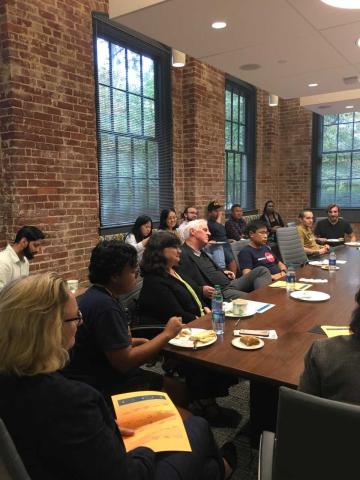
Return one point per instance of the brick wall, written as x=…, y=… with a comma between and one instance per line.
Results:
x=198, y=127
x=48, y=135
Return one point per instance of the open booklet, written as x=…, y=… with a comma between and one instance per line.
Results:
x=155, y=420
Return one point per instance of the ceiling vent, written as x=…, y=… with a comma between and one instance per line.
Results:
x=351, y=80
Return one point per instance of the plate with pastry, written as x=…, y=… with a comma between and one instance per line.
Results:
x=247, y=342
x=188, y=337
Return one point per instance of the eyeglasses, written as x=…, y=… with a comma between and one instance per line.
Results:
x=78, y=319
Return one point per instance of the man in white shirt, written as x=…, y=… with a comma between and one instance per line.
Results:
x=14, y=259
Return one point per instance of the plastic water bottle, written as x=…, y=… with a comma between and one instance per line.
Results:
x=332, y=259
x=290, y=278
x=217, y=312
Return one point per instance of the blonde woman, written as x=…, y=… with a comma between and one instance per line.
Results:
x=63, y=429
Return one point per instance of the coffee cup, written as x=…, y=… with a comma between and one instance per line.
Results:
x=73, y=285
x=239, y=306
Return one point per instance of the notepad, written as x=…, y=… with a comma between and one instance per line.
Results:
x=155, y=420
x=333, y=331
x=297, y=286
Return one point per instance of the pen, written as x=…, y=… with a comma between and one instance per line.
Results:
x=263, y=307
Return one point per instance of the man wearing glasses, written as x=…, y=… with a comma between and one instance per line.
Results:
x=259, y=254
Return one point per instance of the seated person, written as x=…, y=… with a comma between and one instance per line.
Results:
x=218, y=234
x=307, y=237
x=140, y=234
x=272, y=220
x=235, y=226
x=14, y=259
x=189, y=214
x=257, y=253
x=334, y=227
x=105, y=355
x=177, y=293
x=168, y=220
x=66, y=430
x=166, y=293
x=332, y=365
x=197, y=265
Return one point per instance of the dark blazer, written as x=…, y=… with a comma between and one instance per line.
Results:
x=162, y=297
x=190, y=265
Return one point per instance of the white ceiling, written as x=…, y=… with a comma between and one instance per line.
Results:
x=295, y=42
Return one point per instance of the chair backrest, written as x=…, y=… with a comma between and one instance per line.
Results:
x=11, y=465
x=237, y=246
x=290, y=246
x=316, y=438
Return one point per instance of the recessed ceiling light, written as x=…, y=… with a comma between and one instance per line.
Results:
x=349, y=106
x=343, y=3
x=282, y=61
x=250, y=66
x=323, y=107
x=357, y=43
x=218, y=25
x=313, y=84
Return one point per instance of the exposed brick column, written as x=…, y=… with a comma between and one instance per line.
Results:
x=202, y=150
x=48, y=130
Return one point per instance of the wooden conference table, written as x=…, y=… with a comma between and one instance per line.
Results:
x=281, y=361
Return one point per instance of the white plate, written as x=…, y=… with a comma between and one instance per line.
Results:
x=310, y=296
x=238, y=344
x=353, y=244
x=327, y=267
x=185, y=341
x=334, y=240
x=249, y=312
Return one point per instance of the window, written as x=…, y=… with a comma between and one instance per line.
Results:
x=133, y=124
x=239, y=144
x=336, y=159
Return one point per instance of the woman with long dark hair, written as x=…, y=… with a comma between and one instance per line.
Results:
x=140, y=234
x=166, y=293
x=168, y=220
x=332, y=365
x=272, y=219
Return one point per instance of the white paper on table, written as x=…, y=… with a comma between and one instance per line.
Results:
x=313, y=280
x=272, y=334
x=326, y=261
x=260, y=307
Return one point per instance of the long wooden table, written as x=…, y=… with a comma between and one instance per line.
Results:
x=281, y=361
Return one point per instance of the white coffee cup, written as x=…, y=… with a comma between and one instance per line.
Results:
x=239, y=306
x=73, y=285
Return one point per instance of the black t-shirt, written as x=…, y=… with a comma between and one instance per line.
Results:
x=325, y=229
x=63, y=429
x=250, y=257
x=217, y=230
x=105, y=329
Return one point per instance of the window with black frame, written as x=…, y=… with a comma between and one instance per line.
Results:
x=239, y=144
x=133, y=120
x=336, y=147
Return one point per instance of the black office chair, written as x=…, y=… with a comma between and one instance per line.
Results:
x=316, y=439
x=290, y=246
x=11, y=465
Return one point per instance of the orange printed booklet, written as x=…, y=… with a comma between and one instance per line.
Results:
x=155, y=420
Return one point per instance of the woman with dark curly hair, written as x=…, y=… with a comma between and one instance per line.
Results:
x=140, y=234
x=168, y=220
x=161, y=281
x=166, y=293
x=332, y=365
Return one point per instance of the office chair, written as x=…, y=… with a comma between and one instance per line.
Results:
x=237, y=246
x=290, y=246
x=11, y=465
x=315, y=439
